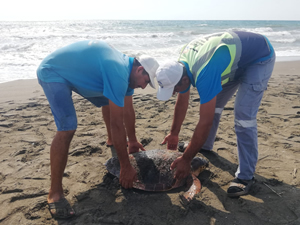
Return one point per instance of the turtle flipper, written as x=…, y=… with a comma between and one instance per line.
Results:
x=194, y=189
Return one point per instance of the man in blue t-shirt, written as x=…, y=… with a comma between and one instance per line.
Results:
x=105, y=77
x=218, y=65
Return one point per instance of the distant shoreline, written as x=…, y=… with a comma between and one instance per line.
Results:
x=287, y=58
x=279, y=59
x=138, y=20
x=22, y=90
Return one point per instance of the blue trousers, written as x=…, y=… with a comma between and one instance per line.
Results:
x=250, y=87
x=59, y=96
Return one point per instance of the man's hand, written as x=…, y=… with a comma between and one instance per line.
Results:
x=182, y=166
x=134, y=146
x=172, y=141
x=127, y=176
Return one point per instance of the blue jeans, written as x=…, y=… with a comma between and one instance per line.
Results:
x=59, y=96
x=252, y=83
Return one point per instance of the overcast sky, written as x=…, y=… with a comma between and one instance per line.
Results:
x=20, y=10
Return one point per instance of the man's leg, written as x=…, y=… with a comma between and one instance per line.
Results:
x=253, y=84
x=59, y=96
x=103, y=102
x=58, y=160
x=222, y=98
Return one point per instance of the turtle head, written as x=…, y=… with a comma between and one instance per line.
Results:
x=113, y=166
x=198, y=165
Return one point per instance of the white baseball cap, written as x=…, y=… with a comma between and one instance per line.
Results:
x=150, y=65
x=168, y=75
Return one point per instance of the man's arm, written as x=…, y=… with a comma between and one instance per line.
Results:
x=181, y=107
x=182, y=164
x=180, y=110
x=129, y=120
x=127, y=174
x=207, y=112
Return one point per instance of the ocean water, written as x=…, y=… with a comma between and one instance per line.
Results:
x=24, y=44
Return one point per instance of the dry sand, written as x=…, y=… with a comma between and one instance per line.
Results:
x=27, y=129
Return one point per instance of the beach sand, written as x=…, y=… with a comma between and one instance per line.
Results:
x=27, y=129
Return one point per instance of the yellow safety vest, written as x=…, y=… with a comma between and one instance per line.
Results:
x=199, y=52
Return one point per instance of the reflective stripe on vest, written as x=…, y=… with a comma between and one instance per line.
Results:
x=199, y=52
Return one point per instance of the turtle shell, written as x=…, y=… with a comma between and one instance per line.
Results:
x=153, y=169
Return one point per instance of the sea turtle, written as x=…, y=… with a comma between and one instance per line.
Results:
x=154, y=174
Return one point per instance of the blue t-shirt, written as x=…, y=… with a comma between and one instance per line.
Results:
x=255, y=47
x=92, y=68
